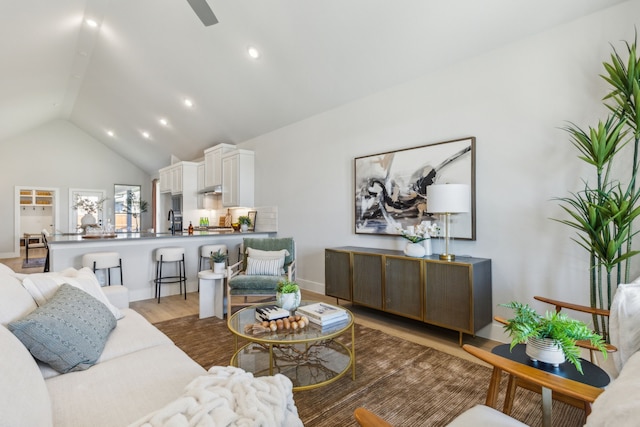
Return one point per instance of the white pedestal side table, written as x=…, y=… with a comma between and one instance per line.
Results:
x=211, y=294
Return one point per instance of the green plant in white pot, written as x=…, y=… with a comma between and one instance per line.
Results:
x=288, y=295
x=218, y=261
x=245, y=223
x=554, y=331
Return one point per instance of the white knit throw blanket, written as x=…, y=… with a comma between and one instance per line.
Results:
x=229, y=396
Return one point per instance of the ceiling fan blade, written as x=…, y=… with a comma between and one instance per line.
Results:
x=204, y=12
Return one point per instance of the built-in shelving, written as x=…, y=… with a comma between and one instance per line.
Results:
x=31, y=197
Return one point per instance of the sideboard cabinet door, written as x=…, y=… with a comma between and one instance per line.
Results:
x=403, y=286
x=337, y=274
x=367, y=280
x=448, y=296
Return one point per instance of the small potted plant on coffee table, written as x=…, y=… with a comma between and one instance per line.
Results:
x=550, y=338
x=288, y=295
x=218, y=261
x=245, y=223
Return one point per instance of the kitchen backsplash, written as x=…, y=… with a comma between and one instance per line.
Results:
x=266, y=217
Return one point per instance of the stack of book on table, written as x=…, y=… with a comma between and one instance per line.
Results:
x=323, y=314
x=271, y=312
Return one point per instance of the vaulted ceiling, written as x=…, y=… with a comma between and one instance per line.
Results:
x=146, y=57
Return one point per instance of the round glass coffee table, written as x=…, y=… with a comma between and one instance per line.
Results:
x=310, y=357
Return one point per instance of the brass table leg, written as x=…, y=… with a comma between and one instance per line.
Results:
x=270, y=359
x=353, y=352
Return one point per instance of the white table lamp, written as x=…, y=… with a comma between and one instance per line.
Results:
x=447, y=199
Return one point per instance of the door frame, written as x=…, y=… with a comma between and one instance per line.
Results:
x=17, y=221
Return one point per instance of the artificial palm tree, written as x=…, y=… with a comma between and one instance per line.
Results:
x=603, y=215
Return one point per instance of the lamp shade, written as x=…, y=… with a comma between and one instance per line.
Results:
x=448, y=198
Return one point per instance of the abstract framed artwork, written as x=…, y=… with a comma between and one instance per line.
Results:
x=391, y=187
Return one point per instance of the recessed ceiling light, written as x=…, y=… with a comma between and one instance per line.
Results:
x=91, y=23
x=146, y=135
x=253, y=52
x=163, y=122
x=188, y=102
x=110, y=133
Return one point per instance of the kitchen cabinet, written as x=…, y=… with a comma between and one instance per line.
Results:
x=213, y=164
x=166, y=180
x=452, y=294
x=172, y=178
x=238, y=178
x=176, y=178
x=201, y=196
x=204, y=201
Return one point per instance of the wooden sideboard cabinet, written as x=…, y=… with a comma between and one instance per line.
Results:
x=452, y=294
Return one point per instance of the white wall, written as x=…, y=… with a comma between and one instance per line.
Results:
x=514, y=100
x=60, y=155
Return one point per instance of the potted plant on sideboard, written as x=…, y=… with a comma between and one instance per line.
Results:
x=550, y=338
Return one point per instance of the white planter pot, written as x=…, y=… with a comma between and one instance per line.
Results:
x=428, y=249
x=244, y=228
x=415, y=250
x=218, y=267
x=544, y=350
x=289, y=301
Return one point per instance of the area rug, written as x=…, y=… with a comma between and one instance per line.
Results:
x=33, y=263
x=406, y=383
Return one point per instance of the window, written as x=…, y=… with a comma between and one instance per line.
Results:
x=128, y=207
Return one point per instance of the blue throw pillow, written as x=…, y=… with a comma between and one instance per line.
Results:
x=68, y=332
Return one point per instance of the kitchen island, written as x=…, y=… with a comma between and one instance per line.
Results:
x=137, y=253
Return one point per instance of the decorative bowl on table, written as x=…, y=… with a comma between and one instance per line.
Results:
x=236, y=226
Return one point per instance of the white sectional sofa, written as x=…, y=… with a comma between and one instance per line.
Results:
x=139, y=372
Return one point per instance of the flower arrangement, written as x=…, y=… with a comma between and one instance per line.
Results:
x=88, y=205
x=423, y=231
x=244, y=220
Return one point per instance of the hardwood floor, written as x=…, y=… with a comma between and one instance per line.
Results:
x=16, y=263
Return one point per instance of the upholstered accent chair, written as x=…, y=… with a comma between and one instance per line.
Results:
x=262, y=264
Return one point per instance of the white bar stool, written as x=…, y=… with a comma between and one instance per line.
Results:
x=175, y=255
x=103, y=261
x=206, y=251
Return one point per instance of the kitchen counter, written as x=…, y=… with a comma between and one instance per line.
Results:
x=137, y=253
x=75, y=238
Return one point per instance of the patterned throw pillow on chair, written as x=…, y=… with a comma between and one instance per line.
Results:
x=265, y=267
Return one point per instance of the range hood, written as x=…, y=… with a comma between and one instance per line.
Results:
x=216, y=189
